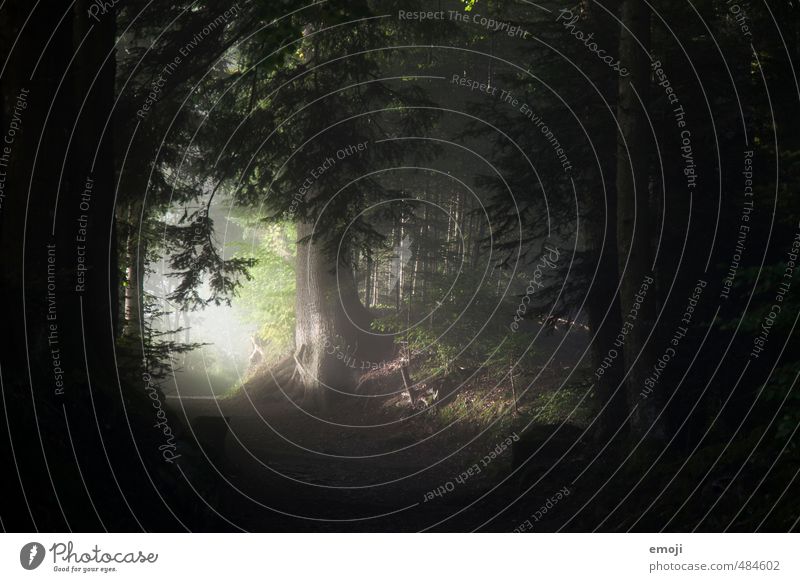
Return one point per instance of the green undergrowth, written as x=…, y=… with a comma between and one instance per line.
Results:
x=479, y=406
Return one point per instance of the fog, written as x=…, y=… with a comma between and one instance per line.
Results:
x=216, y=367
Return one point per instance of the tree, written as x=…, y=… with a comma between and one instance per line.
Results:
x=326, y=155
x=633, y=211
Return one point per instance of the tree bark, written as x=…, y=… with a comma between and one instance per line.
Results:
x=600, y=233
x=332, y=338
x=134, y=272
x=633, y=233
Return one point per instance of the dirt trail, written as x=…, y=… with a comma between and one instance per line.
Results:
x=280, y=469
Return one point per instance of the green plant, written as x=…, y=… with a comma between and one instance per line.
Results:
x=268, y=298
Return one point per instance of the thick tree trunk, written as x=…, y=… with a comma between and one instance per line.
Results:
x=25, y=221
x=94, y=78
x=58, y=255
x=633, y=233
x=600, y=226
x=605, y=322
x=603, y=306
x=332, y=338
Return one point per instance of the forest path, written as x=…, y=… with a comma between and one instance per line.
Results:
x=280, y=469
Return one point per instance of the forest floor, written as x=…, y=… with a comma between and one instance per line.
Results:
x=383, y=468
x=267, y=464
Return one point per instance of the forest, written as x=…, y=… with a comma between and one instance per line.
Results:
x=400, y=266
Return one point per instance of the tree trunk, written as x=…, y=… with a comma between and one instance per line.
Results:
x=600, y=233
x=633, y=236
x=368, y=284
x=134, y=271
x=332, y=338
